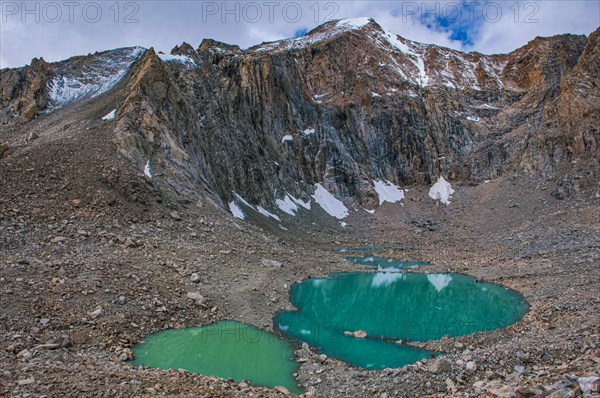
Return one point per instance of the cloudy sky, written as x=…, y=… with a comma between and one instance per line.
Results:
x=56, y=30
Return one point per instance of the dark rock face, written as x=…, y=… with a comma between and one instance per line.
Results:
x=346, y=105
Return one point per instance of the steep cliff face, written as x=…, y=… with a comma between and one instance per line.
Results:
x=344, y=106
x=24, y=92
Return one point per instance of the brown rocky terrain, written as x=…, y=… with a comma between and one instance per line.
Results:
x=95, y=256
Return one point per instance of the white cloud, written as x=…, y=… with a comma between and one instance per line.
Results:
x=165, y=24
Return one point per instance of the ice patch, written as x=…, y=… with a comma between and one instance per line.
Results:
x=441, y=191
x=111, y=115
x=236, y=211
x=148, y=170
x=439, y=281
x=305, y=332
x=388, y=192
x=333, y=206
x=386, y=278
x=283, y=328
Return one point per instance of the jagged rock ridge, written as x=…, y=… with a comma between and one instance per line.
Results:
x=347, y=104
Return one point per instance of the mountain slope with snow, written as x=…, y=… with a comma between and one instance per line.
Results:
x=349, y=109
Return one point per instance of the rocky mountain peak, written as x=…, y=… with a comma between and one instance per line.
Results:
x=183, y=49
x=343, y=106
x=210, y=44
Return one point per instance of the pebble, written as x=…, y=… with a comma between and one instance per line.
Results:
x=80, y=337
x=97, y=313
x=24, y=382
x=471, y=366
x=271, y=263
x=196, y=297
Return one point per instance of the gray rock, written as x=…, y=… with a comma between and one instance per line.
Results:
x=440, y=365
x=271, y=263
x=196, y=297
x=97, y=313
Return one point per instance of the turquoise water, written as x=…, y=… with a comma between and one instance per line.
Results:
x=384, y=263
x=224, y=349
x=392, y=306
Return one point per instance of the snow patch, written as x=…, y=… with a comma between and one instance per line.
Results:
x=375, y=95
x=343, y=224
x=388, y=192
x=266, y=213
x=472, y=118
x=332, y=206
x=100, y=74
x=111, y=115
x=287, y=138
x=369, y=211
x=415, y=58
x=299, y=202
x=236, y=211
x=287, y=205
x=439, y=281
x=148, y=170
x=309, y=131
x=259, y=209
x=441, y=191
x=354, y=23
x=177, y=58
x=291, y=205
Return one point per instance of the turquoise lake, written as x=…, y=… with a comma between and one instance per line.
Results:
x=392, y=306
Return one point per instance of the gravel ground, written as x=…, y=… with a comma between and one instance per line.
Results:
x=95, y=257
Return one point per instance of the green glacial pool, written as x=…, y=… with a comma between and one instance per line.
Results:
x=383, y=263
x=391, y=306
x=224, y=349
